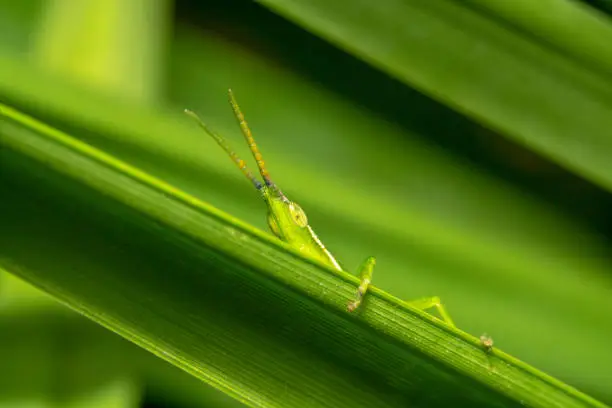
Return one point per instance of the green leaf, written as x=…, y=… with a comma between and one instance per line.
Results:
x=51, y=359
x=539, y=72
x=225, y=302
x=360, y=153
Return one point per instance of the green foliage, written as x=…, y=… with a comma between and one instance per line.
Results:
x=514, y=246
x=225, y=302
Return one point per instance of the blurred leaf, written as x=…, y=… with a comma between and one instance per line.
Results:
x=540, y=72
x=112, y=45
x=49, y=358
x=18, y=20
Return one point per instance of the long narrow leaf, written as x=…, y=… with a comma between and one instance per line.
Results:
x=518, y=67
x=225, y=302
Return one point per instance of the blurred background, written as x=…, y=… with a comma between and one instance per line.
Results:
x=516, y=244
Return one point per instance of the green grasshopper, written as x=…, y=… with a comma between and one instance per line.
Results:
x=289, y=223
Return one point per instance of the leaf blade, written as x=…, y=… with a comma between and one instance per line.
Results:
x=557, y=106
x=252, y=275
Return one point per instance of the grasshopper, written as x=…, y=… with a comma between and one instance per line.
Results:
x=288, y=221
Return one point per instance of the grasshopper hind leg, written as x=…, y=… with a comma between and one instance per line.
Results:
x=365, y=275
x=433, y=302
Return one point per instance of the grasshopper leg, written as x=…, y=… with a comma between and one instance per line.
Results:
x=365, y=274
x=431, y=302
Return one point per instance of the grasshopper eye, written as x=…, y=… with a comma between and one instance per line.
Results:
x=299, y=216
x=273, y=224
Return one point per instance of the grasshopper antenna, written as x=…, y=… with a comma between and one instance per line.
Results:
x=225, y=146
x=250, y=140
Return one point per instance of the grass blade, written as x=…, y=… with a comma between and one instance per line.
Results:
x=225, y=302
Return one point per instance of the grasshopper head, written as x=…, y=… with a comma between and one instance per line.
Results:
x=286, y=218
